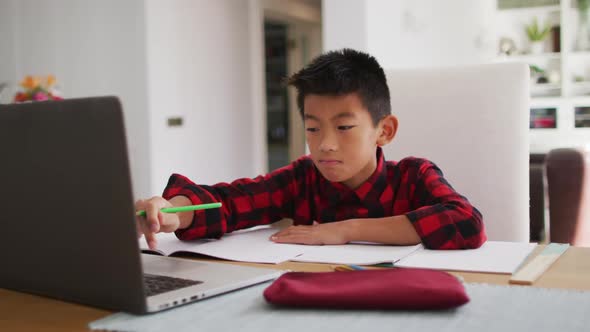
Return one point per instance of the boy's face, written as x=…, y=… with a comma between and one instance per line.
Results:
x=342, y=139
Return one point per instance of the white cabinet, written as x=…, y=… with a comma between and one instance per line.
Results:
x=560, y=97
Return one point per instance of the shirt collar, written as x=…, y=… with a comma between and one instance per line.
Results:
x=375, y=184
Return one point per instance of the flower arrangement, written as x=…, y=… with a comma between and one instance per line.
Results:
x=37, y=89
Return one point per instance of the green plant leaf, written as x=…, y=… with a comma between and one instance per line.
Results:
x=535, y=33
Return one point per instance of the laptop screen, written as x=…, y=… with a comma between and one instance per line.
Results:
x=68, y=218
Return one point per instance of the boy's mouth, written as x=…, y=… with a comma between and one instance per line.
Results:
x=329, y=162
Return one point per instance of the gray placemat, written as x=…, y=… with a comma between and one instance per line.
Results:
x=492, y=308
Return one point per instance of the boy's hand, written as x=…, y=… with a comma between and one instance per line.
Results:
x=155, y=221
x=316, y=234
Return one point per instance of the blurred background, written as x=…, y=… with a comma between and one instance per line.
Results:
x=201, y=81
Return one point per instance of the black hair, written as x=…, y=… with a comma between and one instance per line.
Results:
x=341, y=72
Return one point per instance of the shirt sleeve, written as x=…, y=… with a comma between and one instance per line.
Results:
x=245, y=202
x=442, y=217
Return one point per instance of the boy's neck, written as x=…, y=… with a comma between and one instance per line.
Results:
x=364, y=174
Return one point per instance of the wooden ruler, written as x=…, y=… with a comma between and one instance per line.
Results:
x=533, y=269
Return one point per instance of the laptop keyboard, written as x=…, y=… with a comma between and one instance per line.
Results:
x=156, y=284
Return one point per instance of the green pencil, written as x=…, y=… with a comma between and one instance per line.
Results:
x=184, y=208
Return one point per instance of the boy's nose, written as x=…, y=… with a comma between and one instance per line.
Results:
x=328, y=143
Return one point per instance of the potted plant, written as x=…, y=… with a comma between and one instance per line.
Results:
x=537, y=75
x=537, y=35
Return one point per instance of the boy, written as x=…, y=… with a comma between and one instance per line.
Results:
x=344, y=190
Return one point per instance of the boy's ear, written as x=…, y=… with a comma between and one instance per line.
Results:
x=388, y=128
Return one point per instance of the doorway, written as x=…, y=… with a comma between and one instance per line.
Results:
x=291, y=40
x=277, y=103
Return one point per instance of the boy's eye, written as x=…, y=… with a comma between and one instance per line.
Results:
x=311, y=129
x=345, y=127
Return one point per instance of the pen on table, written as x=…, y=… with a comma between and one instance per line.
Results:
x=350, y=267
x=175, y=209
x=356, y=267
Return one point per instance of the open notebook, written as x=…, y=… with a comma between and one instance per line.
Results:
x=254, y=246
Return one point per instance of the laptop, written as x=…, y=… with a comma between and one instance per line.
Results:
x=68, y=219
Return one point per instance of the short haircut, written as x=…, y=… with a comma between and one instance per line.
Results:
x=342, y=72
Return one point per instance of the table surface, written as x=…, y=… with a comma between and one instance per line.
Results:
x=26, y=312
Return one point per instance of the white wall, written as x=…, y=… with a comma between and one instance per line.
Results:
x=413, y=33
x=422, y=33
x=163, y=58
x=7, y=68
x=344, y=24
x=93, y=48
x=198, y=68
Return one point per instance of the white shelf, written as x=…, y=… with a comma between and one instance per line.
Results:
x=545, y=90
x=531, y=57
x=545, y=87
x=564, y=96
x=581, y=89
x=580, y=100
x=580, y=54
x=537, y=9
x=585, y=84
x=545, y=101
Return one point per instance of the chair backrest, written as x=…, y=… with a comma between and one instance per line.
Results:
x=473, y=123
x=568, y=185
x=537, y=206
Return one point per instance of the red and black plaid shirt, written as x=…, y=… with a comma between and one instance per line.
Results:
x=415, y=187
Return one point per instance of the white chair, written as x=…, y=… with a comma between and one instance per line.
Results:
x=473, y=123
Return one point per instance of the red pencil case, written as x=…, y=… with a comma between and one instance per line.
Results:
x=401, y=289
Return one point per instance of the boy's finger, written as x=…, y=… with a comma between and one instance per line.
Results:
x=161, y=220
x=139, y=204
x=295, y=238
x=152, y=213
x=281, y=233
x=277, y=234
x=150, y=238
x=144, y=226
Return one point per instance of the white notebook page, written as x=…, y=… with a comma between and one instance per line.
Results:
x=251, y=245
x=491, y=257
x=356, y=254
